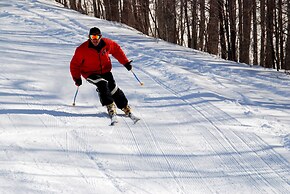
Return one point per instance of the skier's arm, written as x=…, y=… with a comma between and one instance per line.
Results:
x=75, y=65
x=118, y=53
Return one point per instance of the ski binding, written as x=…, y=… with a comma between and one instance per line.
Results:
x=114, y=120
x=134, y=118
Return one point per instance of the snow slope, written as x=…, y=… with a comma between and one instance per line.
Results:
x=208, y=125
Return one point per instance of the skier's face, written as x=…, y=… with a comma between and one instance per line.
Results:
x=95, y=39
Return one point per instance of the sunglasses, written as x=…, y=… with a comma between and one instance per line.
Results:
x=95, y=37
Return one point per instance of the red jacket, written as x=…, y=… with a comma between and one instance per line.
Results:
x=89, y=59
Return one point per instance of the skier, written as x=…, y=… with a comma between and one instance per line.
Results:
x=91, y=61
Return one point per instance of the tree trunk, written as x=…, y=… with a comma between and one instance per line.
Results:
x=107, y=10
x=255, y=34
x=263, y=32
x=170, y=14
x=79, y=7
x=269, y=63
x=166, y=17
x=73, y=4
x=127, y=16
x=213, y=28
x=184, y=6
x=222, y=20
x=233, y=32
x=287, y=59
x=142, y=16
x=194, y=24
x=96, y=9
x=245, y=39
x=182, y=22
x=201, y=25
x=160, y=19
x=276, y=38
x=281, y=34
x=114, y=10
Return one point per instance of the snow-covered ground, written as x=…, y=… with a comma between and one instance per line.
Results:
x=208, y=125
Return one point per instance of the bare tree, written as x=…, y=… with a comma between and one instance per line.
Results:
x=234, y=29
x=64, y=2
x=112, y=10
x=202, y=31
x=141, y=15
x=73, y=4
x=98, y=9
x=79, y=7
x=127, y=16
x=279, y=36
x=166, y=19
x=287, y=59
x=223, y=27
x=183, y=18
x=255, y=33
x=194, y=24
x=246, y=31
x=269, y=63
x=262, y=32
x=213, y=28
x=230, y=28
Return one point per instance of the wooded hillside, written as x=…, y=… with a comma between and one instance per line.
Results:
x=250, y=31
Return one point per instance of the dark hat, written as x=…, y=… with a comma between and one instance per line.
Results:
x=95, y=31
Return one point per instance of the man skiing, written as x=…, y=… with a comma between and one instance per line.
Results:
x=92, y=61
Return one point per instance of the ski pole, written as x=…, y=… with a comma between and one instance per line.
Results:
x=141, y=83
x=74, y=103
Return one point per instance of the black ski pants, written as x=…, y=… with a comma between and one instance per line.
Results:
x=108, y=90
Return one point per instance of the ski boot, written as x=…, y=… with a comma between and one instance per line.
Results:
x=111, y=108
x=128, y=112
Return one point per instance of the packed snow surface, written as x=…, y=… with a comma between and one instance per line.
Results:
x=207, y=125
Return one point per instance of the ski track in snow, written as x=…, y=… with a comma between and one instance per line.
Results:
x=236, y=144
x=185, y=142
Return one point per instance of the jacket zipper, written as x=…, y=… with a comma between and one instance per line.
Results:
x=99, y=54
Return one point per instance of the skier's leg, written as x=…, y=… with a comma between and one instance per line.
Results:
x=118, y=95
x=103, y=90
x=120, y=99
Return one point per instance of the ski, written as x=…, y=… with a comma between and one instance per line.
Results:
x=114, y=120
x=134, y=118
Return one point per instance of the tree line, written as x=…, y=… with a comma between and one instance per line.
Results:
x=249, y=31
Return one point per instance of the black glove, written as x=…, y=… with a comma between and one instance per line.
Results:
x=128, y=66
x=78, y=81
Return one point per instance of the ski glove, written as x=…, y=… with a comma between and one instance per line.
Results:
x=78, y=81
x=128, y=66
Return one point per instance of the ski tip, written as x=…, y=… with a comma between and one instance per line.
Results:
x=113, y=122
